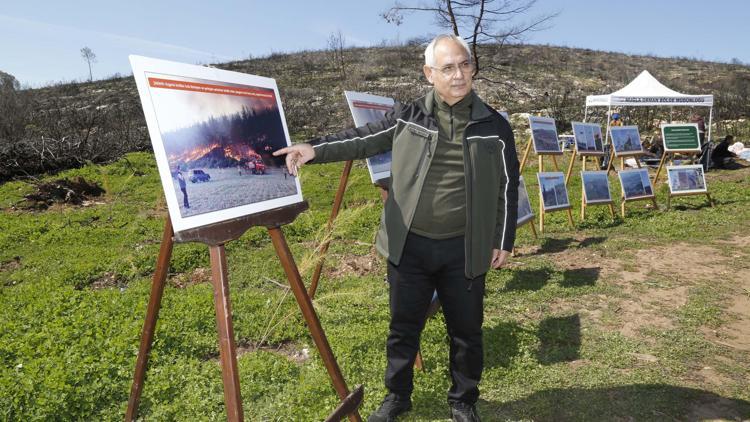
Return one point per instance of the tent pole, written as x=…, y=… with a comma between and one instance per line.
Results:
x=710, y=118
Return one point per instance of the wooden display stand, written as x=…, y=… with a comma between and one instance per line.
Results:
x=622, y=197
x=663, y=160
x=527, y=151
x=215, y=236
x=541, y=199
x=584, y=204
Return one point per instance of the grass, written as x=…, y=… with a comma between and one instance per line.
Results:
x=554, y=347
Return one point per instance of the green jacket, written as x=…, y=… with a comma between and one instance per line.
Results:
x=411, y=132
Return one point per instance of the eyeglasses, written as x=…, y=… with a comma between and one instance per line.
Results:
x=450, y=70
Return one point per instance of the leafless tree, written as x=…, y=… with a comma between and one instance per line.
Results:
x=477, y=21
x=336, y=44
x=90, y=57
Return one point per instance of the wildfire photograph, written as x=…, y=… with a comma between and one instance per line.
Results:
x=218, y=139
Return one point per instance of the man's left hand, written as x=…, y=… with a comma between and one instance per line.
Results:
x=498, y=258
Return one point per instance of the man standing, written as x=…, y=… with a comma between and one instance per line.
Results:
x=183, y=187
x=450, y=216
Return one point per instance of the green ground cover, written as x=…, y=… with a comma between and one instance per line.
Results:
x=559, y=333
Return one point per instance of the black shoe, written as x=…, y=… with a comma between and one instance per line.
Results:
x=391, y=407
x=464, y=412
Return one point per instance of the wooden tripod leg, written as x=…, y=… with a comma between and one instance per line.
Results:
x=570, y=167
x=583, y=210
x=658, y=169
x=611, y=210
x=710, y=201
x=338, y=199
x=533, y=229
x=152, y=314
x=570, y=218
x=609, y=162
x=311, y=318
x=227, y=348
x=525, y=156
x=622, y=206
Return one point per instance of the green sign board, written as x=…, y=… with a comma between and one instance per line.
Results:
x=681, y=137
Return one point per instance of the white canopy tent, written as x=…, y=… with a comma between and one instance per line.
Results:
x=645, y=90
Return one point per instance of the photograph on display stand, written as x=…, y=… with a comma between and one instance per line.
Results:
x=635, y=183
x=524, y=206
x=544, y=135
x=595, y=187
x=553, y=191
x=686, y=179
x=626, y=140
x=213, y=134
x=367, y=108
x=588, y=138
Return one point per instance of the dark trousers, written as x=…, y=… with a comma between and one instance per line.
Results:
x=428, y=265
x=185, y=198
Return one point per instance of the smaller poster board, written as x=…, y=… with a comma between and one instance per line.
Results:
x=368, y=108
x=626, y=140
x=554, y=194
x=681, y=137
x=636, y=184
x=524, y=206
x=588, y=138
x=686, y=179
x=544, y=135
x=596, y=187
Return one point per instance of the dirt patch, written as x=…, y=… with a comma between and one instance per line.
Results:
x=289, y=350
x=656, y=282
x=11, y=265
x=353, y=265
x=108, y=281
x=77, y=191
x=197, y=276
x=714, y=408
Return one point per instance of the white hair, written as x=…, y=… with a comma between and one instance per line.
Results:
x=429, y=52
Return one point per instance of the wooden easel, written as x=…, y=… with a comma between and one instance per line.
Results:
x=541, y=199
x=670, y=194
x=215, y=236
x=584, y=204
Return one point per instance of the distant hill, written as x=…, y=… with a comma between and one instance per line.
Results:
x=100, y=120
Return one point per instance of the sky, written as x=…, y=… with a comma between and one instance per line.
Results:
x=40, y=40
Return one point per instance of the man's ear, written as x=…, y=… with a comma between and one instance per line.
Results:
x=427, y=73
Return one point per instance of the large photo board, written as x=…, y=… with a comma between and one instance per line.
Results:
x=214, y=133
x=626, y=140
x=681, y=137
x=524, y=206
x=686, y=179
x=635, y=184
x=588, y=138
x=544, y=135
x=553, y=191
x=367, y=108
